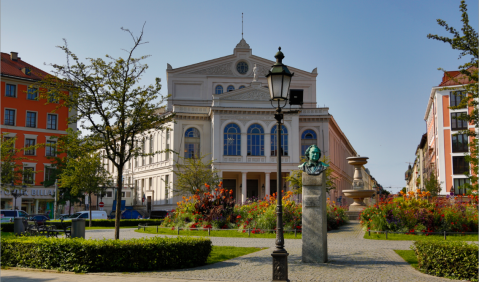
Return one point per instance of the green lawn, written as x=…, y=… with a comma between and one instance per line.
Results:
x=216, y=233
x=7, y=234
x=409, y=256
x=110, y=227
x=221, y=253
x=405, y=237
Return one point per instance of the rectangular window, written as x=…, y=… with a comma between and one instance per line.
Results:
x=28, y=175
x=31, y=119
x=167, y=153
x=51, y=148
x=151, y=149
x=52, y=121
x=457, y=123
x=459, y=143
x=49, y=173
x=9, y=117
x=109, y=194
x=126, y=194
x=459, y=188
x=29, y=143
x=52, y=97
x=150, y=181
x=459, y=165
x=11, y=90
x=455, y=98
x=32, y=93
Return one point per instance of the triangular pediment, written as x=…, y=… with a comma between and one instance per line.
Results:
x=251, y=93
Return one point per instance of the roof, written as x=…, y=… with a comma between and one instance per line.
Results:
x=454, y=78
x=13, y=68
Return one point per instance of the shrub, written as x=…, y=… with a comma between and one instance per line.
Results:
x=456, y=260
x=80, y=255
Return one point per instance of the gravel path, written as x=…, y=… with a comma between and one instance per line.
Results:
x=351, y=258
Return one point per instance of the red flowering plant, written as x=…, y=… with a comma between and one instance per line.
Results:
x=417, y=212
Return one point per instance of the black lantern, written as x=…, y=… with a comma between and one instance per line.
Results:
x=279, y=79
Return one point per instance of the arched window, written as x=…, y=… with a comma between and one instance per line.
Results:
x=241, y=87
x=219, y=89
x=192, y=143
x=284, y=141
x=255, y=140
x=230, y=88
x=308, y=138
x=232, y=140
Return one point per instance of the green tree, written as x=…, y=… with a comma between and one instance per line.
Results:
x=85, y=174
x=192, y=174
x=67, y=146
x=467, y=44
x=12, y=170
x=295, y=178
x=404, y=190
x=432, y=185
x=113, y=107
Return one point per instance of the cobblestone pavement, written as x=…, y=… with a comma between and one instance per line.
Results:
x=351, y=258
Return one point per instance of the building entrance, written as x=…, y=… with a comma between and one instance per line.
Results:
x=272, y=186
x=252, y=188
x=230, y=184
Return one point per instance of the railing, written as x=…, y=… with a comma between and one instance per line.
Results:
x=422, y=233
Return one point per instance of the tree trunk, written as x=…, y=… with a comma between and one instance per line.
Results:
x=118, y=203
x=89, y=207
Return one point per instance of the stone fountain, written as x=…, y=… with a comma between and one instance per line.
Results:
x=358, y=193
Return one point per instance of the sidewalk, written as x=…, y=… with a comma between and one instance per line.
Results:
x=351, y=258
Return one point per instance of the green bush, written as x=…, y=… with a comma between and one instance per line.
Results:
x=456, y=260
x=80, y=255
x=8, y=226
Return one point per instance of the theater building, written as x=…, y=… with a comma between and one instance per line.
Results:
x=27, y=118
x=221, y=112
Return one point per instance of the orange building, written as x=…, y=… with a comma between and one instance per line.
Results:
x=32, y=122
x=446, y=147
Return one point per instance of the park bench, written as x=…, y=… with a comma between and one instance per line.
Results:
x=53, y=231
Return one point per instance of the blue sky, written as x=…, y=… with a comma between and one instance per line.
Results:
x=375, y=64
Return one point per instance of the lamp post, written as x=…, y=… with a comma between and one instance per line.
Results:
x=279, y=79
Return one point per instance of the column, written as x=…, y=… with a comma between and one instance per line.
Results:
x=36, y=205
x=243, y=188
x=267, y=176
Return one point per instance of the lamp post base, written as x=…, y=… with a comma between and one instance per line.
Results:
x=280, y=266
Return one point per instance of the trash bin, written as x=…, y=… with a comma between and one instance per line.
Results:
x=78, y=228
x=18, y=227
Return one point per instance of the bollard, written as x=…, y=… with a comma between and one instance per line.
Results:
x=209, y=229
x=139, y=226
x=178, y=230
x=78, y=228
x=386, y=234
x=369, y=233
x=249, y=232
x=157, y=229
x=444, y=235
x=18, y=227
x=144, y=227
x=295, y=230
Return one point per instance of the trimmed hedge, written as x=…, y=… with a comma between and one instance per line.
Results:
x=80, y=255
x=8, y=226
x=456, y=260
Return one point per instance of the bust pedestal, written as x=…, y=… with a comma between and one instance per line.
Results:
x=314, y=222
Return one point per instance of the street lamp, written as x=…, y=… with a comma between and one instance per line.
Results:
x=279, y=79
x=16, y=194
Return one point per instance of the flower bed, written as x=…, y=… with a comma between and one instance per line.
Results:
x=410, y=215
x=80, y=255
x=216, y=209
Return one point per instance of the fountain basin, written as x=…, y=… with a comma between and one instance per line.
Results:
x=357, y=160
x=358, y=198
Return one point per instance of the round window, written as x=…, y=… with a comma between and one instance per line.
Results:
x=242, y=67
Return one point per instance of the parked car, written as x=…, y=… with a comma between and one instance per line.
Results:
x=130, y=214
x=159, y=214
x=64, y=216
x=86, y=215
x=39, y=218
x=9, y=215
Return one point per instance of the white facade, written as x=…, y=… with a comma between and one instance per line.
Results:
x=248, y=171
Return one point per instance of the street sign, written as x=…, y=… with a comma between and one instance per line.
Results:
x=101, y=204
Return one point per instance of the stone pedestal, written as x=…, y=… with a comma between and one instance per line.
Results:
x=314, y=225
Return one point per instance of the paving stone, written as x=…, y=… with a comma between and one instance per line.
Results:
x=351, y=258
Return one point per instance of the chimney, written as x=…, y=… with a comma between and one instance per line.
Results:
x=14, y=56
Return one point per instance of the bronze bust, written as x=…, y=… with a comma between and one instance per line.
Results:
x=313, y=166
